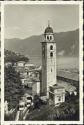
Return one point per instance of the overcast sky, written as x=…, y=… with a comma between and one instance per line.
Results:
x=22, y=21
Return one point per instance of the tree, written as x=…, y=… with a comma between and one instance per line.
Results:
x=13, y=57
x=13, y=87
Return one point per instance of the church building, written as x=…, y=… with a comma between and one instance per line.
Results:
x=49, y=66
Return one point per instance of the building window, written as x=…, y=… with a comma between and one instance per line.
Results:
x=59, y=99
x=51, y=54
x=51, y=47
x=48, y=37
x=51, y=69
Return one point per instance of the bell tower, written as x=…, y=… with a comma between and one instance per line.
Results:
x=48, y=61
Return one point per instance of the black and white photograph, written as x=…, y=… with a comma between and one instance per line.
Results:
x=42, y=62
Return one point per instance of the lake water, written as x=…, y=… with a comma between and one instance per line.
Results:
x=62, y=62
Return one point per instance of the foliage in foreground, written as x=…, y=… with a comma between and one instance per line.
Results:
x=68, y=110
x=13, y=88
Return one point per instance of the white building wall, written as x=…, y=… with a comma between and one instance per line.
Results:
x=36, y=88
x=20, y=64
x=57, y=96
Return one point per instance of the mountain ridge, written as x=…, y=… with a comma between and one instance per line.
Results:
x=67, y=44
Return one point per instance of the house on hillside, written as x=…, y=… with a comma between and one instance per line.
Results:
x=24, y=74
x=27, y=82
x=21, y=63
x=29, y=66
x=7, y=64
x=36, y=87
x=56, y=94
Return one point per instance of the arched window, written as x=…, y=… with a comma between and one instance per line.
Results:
x=48, y=37
x=51, y=54
x=51, y=47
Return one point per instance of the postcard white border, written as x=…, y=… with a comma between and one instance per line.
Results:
x=2, y=62
x=80, y=3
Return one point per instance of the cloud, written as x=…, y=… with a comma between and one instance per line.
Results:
x=33, y=19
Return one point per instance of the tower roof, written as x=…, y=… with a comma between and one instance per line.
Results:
x=48, y=29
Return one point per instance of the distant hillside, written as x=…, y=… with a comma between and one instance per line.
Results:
x=67, y=44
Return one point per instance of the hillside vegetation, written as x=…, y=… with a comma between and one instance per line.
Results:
x=13, y=87
x=11, y=56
